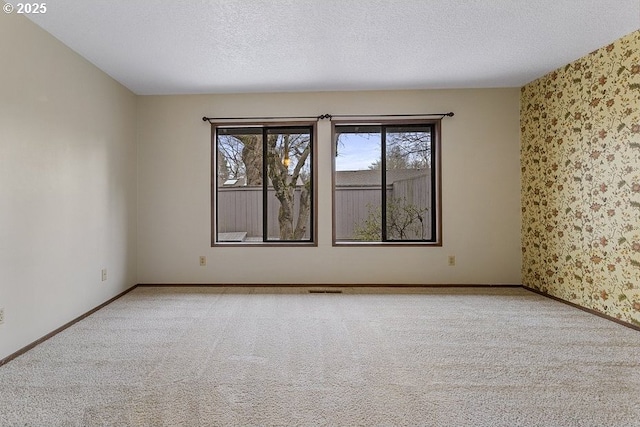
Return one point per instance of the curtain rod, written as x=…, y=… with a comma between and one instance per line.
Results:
x=327, y=116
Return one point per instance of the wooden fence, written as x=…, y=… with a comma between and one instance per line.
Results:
x=240, y=208
x=353, y=205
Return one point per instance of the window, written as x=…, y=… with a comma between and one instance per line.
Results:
x=386, y=183
x=263, y=184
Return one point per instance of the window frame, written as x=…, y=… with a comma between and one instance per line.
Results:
x=436, y=181
x=265, y=127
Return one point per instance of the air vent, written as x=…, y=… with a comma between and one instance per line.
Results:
x=325, y=291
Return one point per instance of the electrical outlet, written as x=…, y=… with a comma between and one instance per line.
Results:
x=203, y=261
x=1, y=316
x=104, y=274
x=452, y=260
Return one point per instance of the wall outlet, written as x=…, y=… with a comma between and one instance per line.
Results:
x=104, y=274
x=203, y=261
x=1, y=316
x=451, y=260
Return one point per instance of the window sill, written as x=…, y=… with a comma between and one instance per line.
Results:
x=264, y=244
x=352, y=243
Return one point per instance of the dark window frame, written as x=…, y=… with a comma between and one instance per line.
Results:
x=266, y=127
x=436, y=181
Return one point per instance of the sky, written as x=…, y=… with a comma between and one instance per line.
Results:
x=357, y=151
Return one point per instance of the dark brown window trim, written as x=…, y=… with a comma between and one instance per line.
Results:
x=355, y=243
x=314, y=177
x=437, y=158
x=271, y=244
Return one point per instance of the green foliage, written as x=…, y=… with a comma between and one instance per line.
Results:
x=405, y=221
x=370, y=230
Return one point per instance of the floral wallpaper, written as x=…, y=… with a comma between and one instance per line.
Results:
x=580, y=159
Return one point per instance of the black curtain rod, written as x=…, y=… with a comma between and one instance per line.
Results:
x=442, y=115
x=327, y=116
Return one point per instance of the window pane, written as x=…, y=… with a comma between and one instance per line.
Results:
x=289, y=190
x=358, y=183
x=239, y=185
x=408, y=207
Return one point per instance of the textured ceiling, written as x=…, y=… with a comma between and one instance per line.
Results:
x=223, y=46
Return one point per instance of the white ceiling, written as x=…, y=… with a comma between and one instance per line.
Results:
x=225, y=46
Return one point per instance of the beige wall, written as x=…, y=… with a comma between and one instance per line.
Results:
x=93, y=177
x=67, y=184
x=581, y=181
x=480, y=177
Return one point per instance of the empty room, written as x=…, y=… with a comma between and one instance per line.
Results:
x=332, y=213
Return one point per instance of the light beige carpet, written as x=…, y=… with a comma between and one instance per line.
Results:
x=225, y=357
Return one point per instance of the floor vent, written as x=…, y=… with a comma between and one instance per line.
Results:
x=325, y=291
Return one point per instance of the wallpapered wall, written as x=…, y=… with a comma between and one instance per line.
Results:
x=580, y=158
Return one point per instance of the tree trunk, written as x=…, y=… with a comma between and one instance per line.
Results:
x=252, y=158
x=303, y=214
x=285, y=217
x=285, y=188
